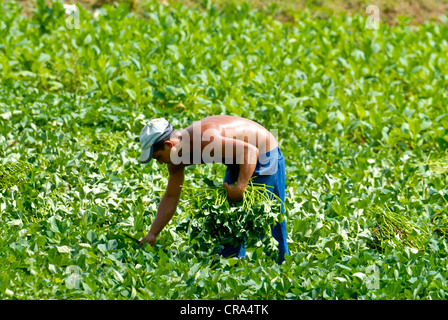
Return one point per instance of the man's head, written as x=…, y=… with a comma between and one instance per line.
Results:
x=161, y=150
x=155, y=141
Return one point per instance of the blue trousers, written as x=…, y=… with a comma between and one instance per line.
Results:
x=270, y=170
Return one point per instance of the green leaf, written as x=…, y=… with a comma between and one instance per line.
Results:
x=87, y=39
x=138, y=222
x=64, y=249
x=43, y=57
x=131, y=94
x=91, y=236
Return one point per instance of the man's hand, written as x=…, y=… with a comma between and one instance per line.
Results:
x=234, y=194
x=149, y=238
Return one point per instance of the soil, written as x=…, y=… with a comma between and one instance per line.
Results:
x=418, y=11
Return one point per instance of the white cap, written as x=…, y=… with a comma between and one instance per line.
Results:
x=154, y=131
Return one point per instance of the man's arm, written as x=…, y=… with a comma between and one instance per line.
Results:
x=244, y=154
x=168, y=204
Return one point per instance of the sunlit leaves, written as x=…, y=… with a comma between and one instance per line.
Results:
x=361, y=120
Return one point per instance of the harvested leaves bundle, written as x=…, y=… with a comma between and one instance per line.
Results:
x=439, y=165
x=440, y=221
x=13, y=174
x=211, y=220
x=391, y=226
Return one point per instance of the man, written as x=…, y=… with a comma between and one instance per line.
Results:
x=245, y=147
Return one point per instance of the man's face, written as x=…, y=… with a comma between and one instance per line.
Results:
x=163, y=156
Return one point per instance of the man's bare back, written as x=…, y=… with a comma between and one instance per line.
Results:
x=212, y=139
x=238, y=128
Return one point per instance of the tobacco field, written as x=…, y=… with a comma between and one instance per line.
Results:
x=362, y=122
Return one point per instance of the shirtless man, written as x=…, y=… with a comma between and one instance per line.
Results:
x=245, y=147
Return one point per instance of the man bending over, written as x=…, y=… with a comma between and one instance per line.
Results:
x=245, y=147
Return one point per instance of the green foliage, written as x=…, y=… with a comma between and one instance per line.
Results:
x=361, y=120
